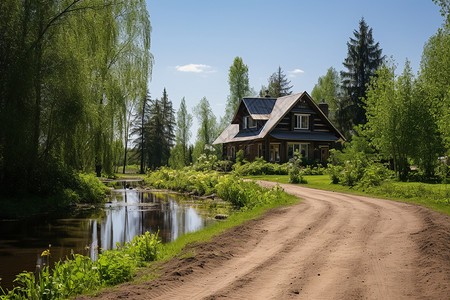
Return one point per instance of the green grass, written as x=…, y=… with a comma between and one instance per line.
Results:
x=434, y=196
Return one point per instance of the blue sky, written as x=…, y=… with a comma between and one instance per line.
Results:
x=195, y=42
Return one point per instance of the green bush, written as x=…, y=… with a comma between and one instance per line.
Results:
x=260, y=167
x=90, y=189
x=115, y=267
x=80, y=274
x=228, y=187
x=247, y=194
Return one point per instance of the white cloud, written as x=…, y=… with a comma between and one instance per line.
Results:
x=295, y=72
x=195, y=68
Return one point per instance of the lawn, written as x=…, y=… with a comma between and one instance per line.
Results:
x=434, y=196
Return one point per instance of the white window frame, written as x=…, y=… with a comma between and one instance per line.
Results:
x=299, y=146
x=299, y=121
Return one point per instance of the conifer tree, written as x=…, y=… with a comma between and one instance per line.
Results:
x=279, y=85
x=363, y=59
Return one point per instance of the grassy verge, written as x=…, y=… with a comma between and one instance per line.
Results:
x=434, y=196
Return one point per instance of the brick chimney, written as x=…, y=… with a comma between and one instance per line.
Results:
x=324, y=107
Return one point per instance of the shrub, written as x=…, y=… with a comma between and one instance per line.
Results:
x=80, y=274
x=240, y=156
x=90, y=189
x=260, y=167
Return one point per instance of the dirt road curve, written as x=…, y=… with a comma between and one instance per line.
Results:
x=331, y=246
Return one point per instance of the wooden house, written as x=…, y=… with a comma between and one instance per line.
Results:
x=274, y=128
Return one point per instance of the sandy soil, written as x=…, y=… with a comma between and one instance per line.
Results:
x=331, y=246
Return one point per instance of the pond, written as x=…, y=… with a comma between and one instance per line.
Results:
x=129, y=212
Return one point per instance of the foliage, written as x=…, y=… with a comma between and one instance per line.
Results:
x=239, y=88
x=363, y=59
x=247, y=194
x=179, y=156
x=400, y=124
x=258, y=167
x=279, y=85
x=159, y=131
x=207, y=131
x=295, y=169
x=90, y=189
x=80, y=274
x=240, y=157
x=70, y=72
x=206, y=162
x=328, y=88
x=243, y=194
x=434, y=79
x=357, y=164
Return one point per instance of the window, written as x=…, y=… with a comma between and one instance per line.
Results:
x=249, y=122
x=301, y=122
x=260, y=150
x=274, y=153
x=301, y=148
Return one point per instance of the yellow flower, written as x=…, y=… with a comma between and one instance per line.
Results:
x=46, y=252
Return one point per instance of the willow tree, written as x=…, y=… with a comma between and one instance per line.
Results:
x=64, y=86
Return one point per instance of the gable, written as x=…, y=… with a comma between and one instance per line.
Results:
x=280, y=119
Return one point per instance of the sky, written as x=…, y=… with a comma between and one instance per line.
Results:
x=194, y=43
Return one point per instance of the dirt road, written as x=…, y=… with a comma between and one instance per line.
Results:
x=331, y=246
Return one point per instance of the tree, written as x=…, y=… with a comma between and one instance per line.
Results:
x=434, y=79
x=328, y=88
x=70, y=71
x=168, y=119
x=363, y=59
x=239, y=87
x=140, y=131
x=180, y=154
x=207, y=131
x=395, y=118
x=279, y=84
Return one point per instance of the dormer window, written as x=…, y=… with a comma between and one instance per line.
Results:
x=249, y=122
x=301, y=121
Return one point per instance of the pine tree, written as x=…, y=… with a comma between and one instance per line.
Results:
x=364, y=58
x=140, y=130
x=168, y=120
x=279, y=85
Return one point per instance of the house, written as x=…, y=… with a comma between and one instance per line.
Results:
x=274, y=128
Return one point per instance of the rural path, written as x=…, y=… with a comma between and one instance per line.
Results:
x=330, y=246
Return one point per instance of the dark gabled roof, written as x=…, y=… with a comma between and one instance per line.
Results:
x=303, y=136
x=259, y=106
x=281, y=106
x=248, y=132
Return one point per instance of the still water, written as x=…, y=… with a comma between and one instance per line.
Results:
x=129, y=213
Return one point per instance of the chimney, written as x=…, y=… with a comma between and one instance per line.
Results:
x=324, y=107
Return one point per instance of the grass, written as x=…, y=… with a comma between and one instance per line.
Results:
x=433, y=196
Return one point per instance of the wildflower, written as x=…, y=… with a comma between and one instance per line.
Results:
x=45, y=253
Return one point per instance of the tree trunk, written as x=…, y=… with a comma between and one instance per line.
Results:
x=125, y=155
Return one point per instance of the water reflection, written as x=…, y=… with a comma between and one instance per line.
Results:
x=129, y=213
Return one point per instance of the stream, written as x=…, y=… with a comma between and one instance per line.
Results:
x=129, y=212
